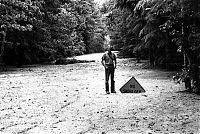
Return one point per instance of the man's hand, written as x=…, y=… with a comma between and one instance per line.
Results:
x=115, y=64
x=106, y=67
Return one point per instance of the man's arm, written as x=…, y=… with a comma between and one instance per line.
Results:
x=103, y=61
x=115, y=61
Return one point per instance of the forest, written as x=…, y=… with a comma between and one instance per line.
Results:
x=166, y=32
x=44, y=30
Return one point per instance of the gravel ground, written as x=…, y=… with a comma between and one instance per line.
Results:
x=71, y=99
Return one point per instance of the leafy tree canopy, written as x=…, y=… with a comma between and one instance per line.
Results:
x=36, y=31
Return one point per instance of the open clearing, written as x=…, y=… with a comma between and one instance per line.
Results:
x=71, y=99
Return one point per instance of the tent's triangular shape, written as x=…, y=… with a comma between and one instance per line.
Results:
x=132, y=86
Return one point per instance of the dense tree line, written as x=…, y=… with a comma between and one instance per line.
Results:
x=165, y=30
x=153, y=25
x=35, y=31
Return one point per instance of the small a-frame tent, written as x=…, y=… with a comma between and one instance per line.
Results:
x=132, y=86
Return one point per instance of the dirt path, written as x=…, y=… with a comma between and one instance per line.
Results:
x=70, y=99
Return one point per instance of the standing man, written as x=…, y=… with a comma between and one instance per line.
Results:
x=109, y=63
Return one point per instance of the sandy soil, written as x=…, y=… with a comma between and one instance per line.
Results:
x=71, y=99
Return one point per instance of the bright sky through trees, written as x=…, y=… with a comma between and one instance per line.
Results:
x=100, y=1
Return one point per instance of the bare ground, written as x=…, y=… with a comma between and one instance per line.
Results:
x=71, y=99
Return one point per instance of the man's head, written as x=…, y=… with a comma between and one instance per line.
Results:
x=109, y=48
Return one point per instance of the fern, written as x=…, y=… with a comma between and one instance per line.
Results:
x=150, y=35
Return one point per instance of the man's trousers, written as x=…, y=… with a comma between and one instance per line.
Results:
x=109, y=72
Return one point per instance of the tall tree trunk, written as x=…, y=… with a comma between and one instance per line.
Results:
x=137, y=52
x=3, y=34
x=195, y=74
x=152, y=56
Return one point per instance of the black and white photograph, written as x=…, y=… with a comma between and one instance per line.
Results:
x=99, y=66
